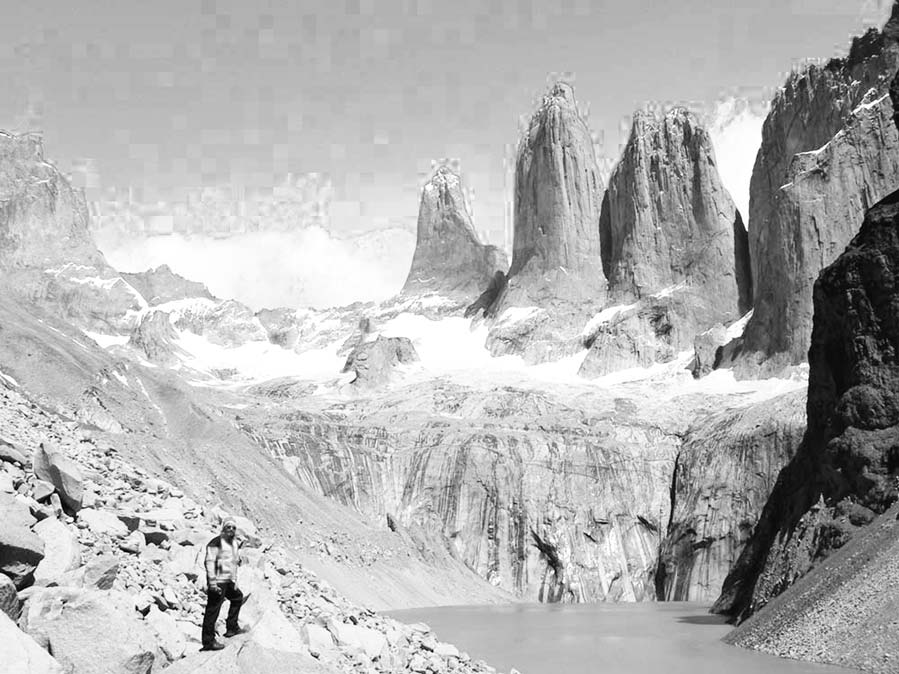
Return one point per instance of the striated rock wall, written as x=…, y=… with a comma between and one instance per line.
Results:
x=845, y=471
x=725, y=471
x=829, y=151
x=449, y=258
x=547, y=501
x=666, y=218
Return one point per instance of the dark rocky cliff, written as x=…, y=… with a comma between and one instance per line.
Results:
x=844, y=473
x=449, y=258
x=829, y=151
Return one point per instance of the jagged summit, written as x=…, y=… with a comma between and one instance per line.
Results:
x=667, y=219
x=829, y=151
x=43, y=221
x=557, y=197
x=449, y=257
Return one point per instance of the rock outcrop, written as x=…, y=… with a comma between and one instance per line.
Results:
x=725, y=471
x=556, y=250
x=829, y=151
x=374, y=361
x=161, y=285
x=449, y=258
x=666, y=218
x=843, y=474
x=556, y=261
x=43, y=221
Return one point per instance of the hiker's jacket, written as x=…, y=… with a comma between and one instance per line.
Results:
x=222, y=559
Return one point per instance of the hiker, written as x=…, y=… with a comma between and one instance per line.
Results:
x=222, y=559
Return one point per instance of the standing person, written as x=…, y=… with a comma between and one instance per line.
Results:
x=222, y=560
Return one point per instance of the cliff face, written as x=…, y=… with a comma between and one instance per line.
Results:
x=844, y=472
x=557, y=200
x=666, y=218
x=550, y=501
x=724, y=473
x=43, y=221
x=556, y=276
x=449, y=258
x=829, y=151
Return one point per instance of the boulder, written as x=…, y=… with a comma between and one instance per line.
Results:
x=21, y=550
x=90, y=632
x=15, y=512
x=61, y=551
x=10, y=453
x=103, y=522
x=368, y=642
x=42, y=490
x=9, y=600
x=449, y=258
x=63, y=473
x=706, y=346
x=100, y=573
x=249, y=657
x=133, y=543
x=20, y=653
x=6, y=485
x=373, y=362
x=271, y=628
x=169, y=636
x=317, y=639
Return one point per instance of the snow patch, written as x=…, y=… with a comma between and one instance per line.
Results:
x=107, y=341
x=737, y=328
x=8, y=379
x=606, y=315
x=516, y=314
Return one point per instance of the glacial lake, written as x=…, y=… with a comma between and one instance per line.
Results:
x=672, y=638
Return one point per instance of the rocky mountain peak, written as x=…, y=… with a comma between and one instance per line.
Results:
x=43, y=221
x=557, y=196
x=449, y=257
x=829, y=152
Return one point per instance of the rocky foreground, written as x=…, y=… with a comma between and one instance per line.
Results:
x=101, y=565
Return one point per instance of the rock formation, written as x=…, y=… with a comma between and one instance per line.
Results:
x=724, y=473
x=843, y=475
x=161, y=285
x=373, y=361
x=556, y=264
x=449, y=258
x=829, y=151
x=43, y=221
x=666, y=218
x=556, y=251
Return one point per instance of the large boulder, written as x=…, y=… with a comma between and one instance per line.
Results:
x=9, y=600
x=15, y=512
x=844, y=473
x=374, y=361
x=20, y=654
x=51, y=465
x=21, y=550
x=449, y=258
x=829, y=151
x=77, y=626
x=250, y=657
x=62, y=552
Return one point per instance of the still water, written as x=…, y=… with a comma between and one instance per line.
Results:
x=671, y=638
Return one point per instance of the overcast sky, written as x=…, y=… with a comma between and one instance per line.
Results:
x=173, y=94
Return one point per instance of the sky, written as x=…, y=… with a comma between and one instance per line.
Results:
x=167, y=97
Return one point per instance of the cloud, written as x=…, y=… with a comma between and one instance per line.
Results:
x=735, y=126
x=307, y=267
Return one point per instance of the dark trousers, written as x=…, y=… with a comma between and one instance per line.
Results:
x=214, y=600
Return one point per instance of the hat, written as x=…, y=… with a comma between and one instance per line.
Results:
x=229, y=522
